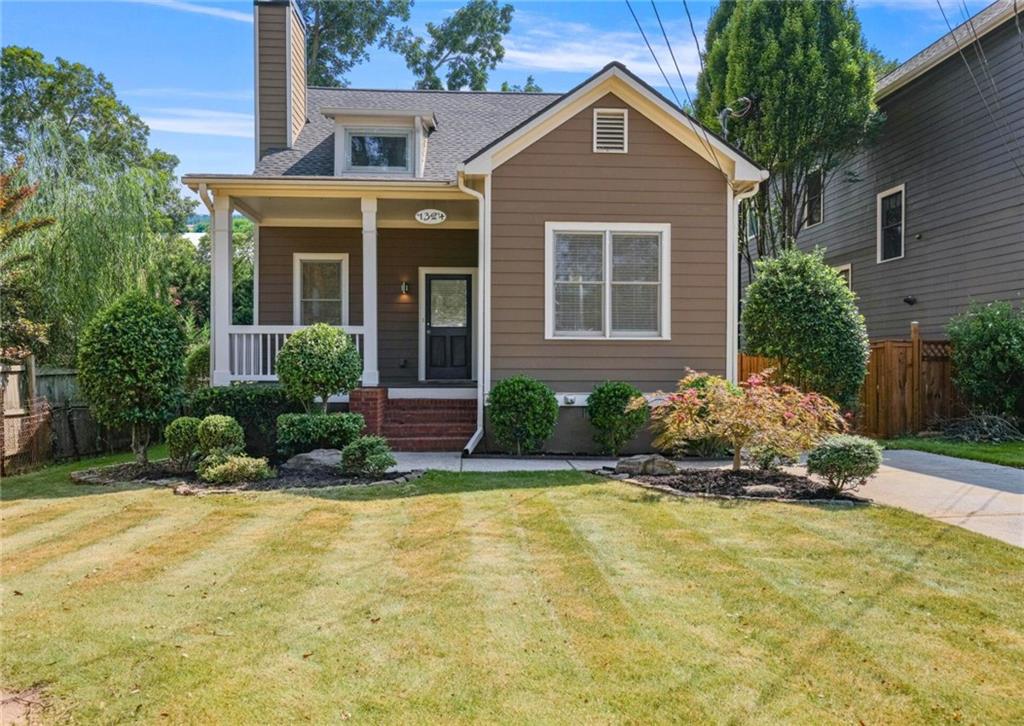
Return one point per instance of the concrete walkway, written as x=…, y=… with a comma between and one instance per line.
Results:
x=984, y=498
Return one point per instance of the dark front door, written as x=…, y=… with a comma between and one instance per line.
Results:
x=449, y=334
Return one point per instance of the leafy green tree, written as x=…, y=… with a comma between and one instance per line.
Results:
x=464, y=48
x=130, y=365
x=340, y=32
x=801, y=313
x=80, y=108
x=809, y=78
x=988, y=357
x=531, y=86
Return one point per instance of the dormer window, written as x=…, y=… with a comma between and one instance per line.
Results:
x=378, y=150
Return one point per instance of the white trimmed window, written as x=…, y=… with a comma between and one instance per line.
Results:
x=607, y=280
x=611, y=130
x=320, y=288
x=814, y=198
x=378, y=150
x=845, y=272
x=891, y=218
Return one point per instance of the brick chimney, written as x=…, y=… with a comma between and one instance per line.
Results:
x=280, y=40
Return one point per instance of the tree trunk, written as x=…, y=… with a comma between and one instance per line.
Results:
x=737, y=460
x=140, y=443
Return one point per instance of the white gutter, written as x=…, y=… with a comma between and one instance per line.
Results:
x=478, y=435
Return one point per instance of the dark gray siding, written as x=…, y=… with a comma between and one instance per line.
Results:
x=964, y=236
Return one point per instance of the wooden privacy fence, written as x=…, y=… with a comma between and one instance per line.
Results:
x=909, y=385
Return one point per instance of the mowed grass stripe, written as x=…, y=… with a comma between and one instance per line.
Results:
x=27, y=519
x=62, y=543
x=620, y=650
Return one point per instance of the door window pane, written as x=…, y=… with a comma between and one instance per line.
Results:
x=449, y=303
x=321, y=292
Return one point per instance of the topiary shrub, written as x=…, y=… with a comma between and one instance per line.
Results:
x=318, y=362
x=235, y=469
x=988, y=357
x=522, y=413
x=800, y=312
x=130, y=366
x=301, y=432
x=197, y=367
x=220, y=434
x=844, y=461
x=367, y=456
x=256, y=406
x=614, y=425
x=182, y=437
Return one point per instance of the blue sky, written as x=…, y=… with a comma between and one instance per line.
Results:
x=185, y=66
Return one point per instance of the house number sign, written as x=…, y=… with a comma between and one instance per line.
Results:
x=430, y=216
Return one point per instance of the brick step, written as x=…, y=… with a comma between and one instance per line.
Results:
x=398, y=420
x=429, y=404
x=427, y=443
x=418, y=428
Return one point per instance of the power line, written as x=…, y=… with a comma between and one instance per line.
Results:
x=653, y=55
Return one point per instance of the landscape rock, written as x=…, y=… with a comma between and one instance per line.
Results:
x=318, y=463
x=763, y=490
x=649, y=464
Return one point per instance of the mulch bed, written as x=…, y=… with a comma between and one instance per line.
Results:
x=160, y=473
x=726, y=483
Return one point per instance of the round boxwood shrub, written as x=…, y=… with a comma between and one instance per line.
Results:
x=522, y=413
x=301, y=432
x=800, y=312
x=256, y=407
x=182, y=437
x=220, y=433
x=233, y=469
x=844, y=461
x=367, y=456
x=197, y=367
x=319, y=362
x=988, y=357
x=614, y=425
x=130, y=367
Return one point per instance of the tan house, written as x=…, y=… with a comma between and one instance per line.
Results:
x=464, y=237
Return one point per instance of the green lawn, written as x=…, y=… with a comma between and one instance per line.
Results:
x=500, y=598
x=1008, y=453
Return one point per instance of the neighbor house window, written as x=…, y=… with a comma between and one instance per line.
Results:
x=607, y=280
x=814, y=198
x=845, y=272
x=891, y=210
x=321, y=288
x=375, y=150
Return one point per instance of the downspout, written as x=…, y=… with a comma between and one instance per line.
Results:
x=478, y=435
x=733, y=282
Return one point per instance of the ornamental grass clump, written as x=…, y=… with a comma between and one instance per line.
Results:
x=760, y=416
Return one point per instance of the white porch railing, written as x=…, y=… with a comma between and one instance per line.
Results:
x=253, y=349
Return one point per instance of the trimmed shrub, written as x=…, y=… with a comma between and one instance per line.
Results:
x=800, y=312
x=301, y=432
x=844, y=461
x=367, y=456
x=220, y=433
x=255, y=406
x=614, y=425
x=130, y=366
x=522, y=413
x=234, y=469
x=197, y=367
x=988, y=357
x=182, y=437
x=318, y=362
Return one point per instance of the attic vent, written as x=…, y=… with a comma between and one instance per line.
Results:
x=610, y=128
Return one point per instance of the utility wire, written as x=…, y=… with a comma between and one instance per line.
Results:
x=704, y=140
x=977, y=86
x=653, y=55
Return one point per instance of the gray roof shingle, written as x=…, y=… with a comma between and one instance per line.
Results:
x=467, y=121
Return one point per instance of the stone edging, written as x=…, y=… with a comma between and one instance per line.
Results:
x=700, y=495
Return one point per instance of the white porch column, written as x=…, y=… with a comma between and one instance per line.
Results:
x=371, y=376
x=220, y=289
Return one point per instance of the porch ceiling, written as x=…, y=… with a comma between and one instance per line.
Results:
x=290, y=211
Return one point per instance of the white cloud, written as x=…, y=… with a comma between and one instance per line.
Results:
x=199, y=121
x=200, y=8
x=544, y=44
x=170, y=93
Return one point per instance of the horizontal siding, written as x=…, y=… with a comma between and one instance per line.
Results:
x=964, y=196
x=298, y=75
x=560, y=179
x=272, y=69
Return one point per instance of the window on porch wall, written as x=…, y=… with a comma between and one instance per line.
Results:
x=321, y=299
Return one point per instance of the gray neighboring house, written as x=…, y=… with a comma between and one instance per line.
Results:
x=935, y=217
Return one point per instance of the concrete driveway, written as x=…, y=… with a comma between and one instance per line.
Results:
x=984, y=498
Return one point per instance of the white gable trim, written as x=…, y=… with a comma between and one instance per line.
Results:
x=627, y=88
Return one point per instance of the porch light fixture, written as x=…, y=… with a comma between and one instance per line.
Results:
x=405, y=287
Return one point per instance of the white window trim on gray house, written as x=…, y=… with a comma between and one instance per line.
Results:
x=902, y=191
x=297, y=259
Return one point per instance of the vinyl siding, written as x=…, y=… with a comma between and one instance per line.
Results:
x=559, y=178
x=272, y=68
x=964, y=232
x=298, y=75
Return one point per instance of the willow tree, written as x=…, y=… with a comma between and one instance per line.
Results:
x=799, y=80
